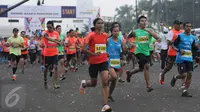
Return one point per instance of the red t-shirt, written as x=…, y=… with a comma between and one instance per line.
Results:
x=97, y=43
x=50, y=48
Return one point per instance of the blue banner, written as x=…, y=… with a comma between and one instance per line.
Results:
x=68, y=11
x=2, y=8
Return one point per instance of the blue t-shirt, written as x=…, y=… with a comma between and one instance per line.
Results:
x=113, y=49
x=185, y=44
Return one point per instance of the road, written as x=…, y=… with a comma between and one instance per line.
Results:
x=129, y=97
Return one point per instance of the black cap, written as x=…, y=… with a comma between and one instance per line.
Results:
x=15, y=30
x=177, y=22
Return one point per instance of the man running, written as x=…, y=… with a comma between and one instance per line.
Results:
x=16, y=43
x=61, y=53
x=184, y=44
x=50, y=40
x=143, y=38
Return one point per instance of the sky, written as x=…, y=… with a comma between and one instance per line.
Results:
x=107, y=6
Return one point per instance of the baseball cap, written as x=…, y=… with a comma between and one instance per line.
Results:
x=165, y=30
x=177, y=22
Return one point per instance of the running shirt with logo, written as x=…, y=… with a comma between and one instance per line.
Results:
x=97, y=43
x=50, y=48
x=61, y=48
x=184, y=43
x=15, y=50
x=142, y=42
x=113, y=49
x=72, y=48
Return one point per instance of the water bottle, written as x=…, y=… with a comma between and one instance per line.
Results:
x=42, y=67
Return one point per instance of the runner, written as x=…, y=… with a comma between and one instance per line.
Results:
x=61, y=54
x=5, y=50
x=24, y=52
x=164, y=47
x=171, y=52
x=114, y=45
x=71, y=44
x=32, y=50
x=151, y=46
x=184, y=44
x=16, y=43
x=143, y=38
x=98, y=61
x=50, y=40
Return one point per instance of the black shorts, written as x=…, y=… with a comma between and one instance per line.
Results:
x=185, y=67
x=24, y=56
x=70, y=56
x=60, y=57
x=142, y=60
x=94, y=69
x=50, y=60
x=14, y=57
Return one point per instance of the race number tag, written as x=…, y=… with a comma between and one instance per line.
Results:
x=100, y=48
x=187, y=53
x=114, y=62
x=143, y=39
x=72, y=48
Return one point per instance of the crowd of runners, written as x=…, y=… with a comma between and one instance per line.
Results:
x=106, y=55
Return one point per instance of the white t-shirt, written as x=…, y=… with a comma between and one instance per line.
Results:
x=170, y=35
x=157, y=47
x=163, y=43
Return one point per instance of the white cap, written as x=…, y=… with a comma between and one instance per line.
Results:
x=165, y=30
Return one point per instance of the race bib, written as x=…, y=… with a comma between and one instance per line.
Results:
x=72, y=48
x=100, y=48
x=143, y=39
x=187, y=53
x=114, y=62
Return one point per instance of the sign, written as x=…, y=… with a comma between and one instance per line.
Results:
x=36, y=11
x=3, y=8
x=68, y=11
x=13, y=20
x=33, y=24
x=40, y=11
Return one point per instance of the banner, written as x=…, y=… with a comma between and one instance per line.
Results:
x=2, y=8
x=33, y=24
x=36, y=11
x=68, y=11
x=40, y=11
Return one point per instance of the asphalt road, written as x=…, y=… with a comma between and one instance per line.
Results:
x=129, y=97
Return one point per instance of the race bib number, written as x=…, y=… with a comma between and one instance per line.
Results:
x=100, y=48
x=187, y=53
x=72, y=48
x=114, y=62
x=143, y=39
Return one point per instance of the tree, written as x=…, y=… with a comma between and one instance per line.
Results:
x=125, y=16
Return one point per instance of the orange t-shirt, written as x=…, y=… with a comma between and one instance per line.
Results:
x=25, y=45
x=50, y=48
x=171, y=51
x=72, y=47
x=4, y=48
x=97, y=42
x=80, y=42
x=132, y=40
